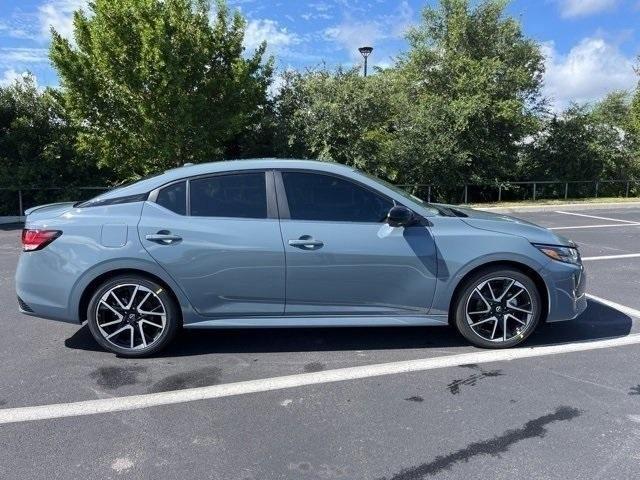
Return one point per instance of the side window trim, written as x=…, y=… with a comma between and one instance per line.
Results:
x=283, y=201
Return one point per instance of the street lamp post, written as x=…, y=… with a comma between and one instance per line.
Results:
x=365, y=52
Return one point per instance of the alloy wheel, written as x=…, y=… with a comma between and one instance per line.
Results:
x=499, y=309
x=131, y=316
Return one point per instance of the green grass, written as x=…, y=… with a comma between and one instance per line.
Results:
x=524, y=203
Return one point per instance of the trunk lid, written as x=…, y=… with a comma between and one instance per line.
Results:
x=51, y=210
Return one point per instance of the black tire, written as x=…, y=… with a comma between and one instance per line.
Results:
x=469, y=298
x=170, y=319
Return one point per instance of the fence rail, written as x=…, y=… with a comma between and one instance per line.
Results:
x=524, y=190
x=14, y=200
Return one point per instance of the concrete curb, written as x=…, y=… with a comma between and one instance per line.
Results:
x=560, y=206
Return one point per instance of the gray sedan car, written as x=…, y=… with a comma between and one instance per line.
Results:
x=288, y=243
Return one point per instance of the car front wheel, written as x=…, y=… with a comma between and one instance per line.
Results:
x=498, y=308
x=132, y=316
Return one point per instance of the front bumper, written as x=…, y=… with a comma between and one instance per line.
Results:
x=566, y=290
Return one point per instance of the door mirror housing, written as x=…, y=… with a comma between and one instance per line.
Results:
x=400, y=216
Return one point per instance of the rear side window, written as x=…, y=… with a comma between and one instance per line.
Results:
x=174, y=198
x=313, y=196
x=242, y=195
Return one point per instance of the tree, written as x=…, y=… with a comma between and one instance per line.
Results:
x=153, y=84
x=338, y=116
x=473, y=81
x=454, y=108
x=586, y=142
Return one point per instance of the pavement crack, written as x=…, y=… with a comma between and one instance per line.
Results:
x=494, y=446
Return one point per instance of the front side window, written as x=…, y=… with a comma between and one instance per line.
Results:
x=174, y=198
x=313, y=196
x=242, y=195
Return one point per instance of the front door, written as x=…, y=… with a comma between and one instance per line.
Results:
x=342, y=258
x=222, y=246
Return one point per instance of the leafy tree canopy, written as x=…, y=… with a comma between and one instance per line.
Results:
x=155, y=84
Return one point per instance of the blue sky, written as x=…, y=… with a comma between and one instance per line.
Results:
x=590, y=45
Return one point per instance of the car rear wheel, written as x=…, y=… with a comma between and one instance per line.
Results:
x=132, y=316
x=498, y=308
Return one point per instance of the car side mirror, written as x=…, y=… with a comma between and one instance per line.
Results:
x=400, y=216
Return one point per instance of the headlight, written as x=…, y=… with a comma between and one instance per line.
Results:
x=561, y=254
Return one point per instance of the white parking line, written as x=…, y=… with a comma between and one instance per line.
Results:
x=594, y=216
x=632, y=312
x=608, y=225
x=109, y=405
x=611, y=257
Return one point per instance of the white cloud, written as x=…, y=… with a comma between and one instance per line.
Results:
x=59, y=15
x=261, y=30
x=589, y=71
x=13, y=30
x=13, y=56
x=9, y=77
x=578, y=8
x=351, y=34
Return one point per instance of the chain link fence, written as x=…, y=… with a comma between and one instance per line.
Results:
x=15, y=200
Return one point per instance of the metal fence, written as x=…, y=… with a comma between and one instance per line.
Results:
x=521, y=191
x=15, y=200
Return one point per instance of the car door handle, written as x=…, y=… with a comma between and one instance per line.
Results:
x=163, y=238
x=306, y=241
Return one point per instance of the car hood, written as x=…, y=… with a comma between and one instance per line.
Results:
x=498, y=222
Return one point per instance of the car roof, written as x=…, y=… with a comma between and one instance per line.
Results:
x=151, y=183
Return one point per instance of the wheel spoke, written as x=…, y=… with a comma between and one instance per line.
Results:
x=120, y=330
x=490, y=319
x=132, y=337
x=117, y=314
x=141, y=312
x=506, y=290
x=513, y=307
x=133, y=297
x=515, y=318
x=493, y=295
x=120, y=304
x=514, y=296
x=477, y=290
x=495, y=326
x=151, y=323
x=143, y=300
x=108, y=324
x=144, y=341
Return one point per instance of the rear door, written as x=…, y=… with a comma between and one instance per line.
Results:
x=342, y=258
x=218, y=236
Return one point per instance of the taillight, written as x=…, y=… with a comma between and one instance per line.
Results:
x=33, y=240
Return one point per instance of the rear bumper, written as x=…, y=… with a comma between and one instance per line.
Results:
x=42, y=288
x=566, y=289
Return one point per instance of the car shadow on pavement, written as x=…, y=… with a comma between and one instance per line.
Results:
x=596, y=323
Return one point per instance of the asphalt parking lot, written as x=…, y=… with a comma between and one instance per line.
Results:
x=558, y=415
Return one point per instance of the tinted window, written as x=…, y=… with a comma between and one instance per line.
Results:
x=324, y=197
x=174, y=198
x=240, y=195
